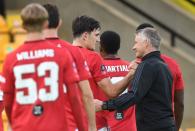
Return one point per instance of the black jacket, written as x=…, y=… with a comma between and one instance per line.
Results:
x=151, y=92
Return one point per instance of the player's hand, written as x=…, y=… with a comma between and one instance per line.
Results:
x=98, y=105
x=134, y=64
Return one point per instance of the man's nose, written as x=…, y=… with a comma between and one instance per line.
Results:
x=133, y=48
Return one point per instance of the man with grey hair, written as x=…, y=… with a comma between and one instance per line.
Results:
x=150, y=90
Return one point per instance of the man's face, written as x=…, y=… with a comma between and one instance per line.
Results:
x=92, y=39
x=140, y=46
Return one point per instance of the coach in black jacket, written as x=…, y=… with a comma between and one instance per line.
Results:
x=150, y=89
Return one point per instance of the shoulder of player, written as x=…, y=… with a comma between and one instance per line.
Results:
x=94, y=54
x=59, y=42
x=116, y=61
x=14, y=52
x=125, y=61
x=169, y=60
x=61, y=51
x=62, y=54
x=65, y=43
x=68, y=46
x=89, y=53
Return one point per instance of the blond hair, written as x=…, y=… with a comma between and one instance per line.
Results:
x=33, y=16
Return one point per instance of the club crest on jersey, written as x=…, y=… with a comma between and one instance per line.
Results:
x=103, y=68
x=119, y=115
x=37, y=110
x=59, y=45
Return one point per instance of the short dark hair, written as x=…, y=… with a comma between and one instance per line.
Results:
x=54, y=16
x=83, y=24
x=110, y=42
x=143, y=26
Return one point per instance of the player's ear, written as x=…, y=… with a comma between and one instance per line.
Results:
x=85, y=35
x=59, y=24
x=147, y=43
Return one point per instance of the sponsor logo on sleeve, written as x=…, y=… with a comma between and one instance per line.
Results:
x=103, y=69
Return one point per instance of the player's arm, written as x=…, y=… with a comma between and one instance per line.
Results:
x=73, y=90
x=8, y=90
x=144, y=76
x=178, y=98
x=75, y=103
x=178, y=107
x=88, y=103
x=84, y=85
x=2, y=80
x=8, y=102
x=113, y=90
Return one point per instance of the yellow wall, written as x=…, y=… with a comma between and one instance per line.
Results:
x=185, y=5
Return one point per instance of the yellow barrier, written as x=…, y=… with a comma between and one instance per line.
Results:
x=185, y=5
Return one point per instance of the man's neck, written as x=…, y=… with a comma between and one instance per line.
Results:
x=77, y=42
x=107, y=56
x=33, y=36
x=50, y=33
x=149, y=51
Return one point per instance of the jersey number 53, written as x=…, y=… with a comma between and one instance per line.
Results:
x=31, y=85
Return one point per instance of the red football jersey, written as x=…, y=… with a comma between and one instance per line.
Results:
x=36, y=76
x=81, y=64
x=98, y=72
x=84, y=74
x=117, y=69
x=178, y=82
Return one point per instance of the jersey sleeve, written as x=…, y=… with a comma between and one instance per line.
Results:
x=70, y=71
x=81, y=64
x=179, y=82
x=8, y=87
x=7, y=73
x=98, y=70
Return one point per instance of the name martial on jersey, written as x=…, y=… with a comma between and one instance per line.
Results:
x=117, y=68
x=35, y=54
